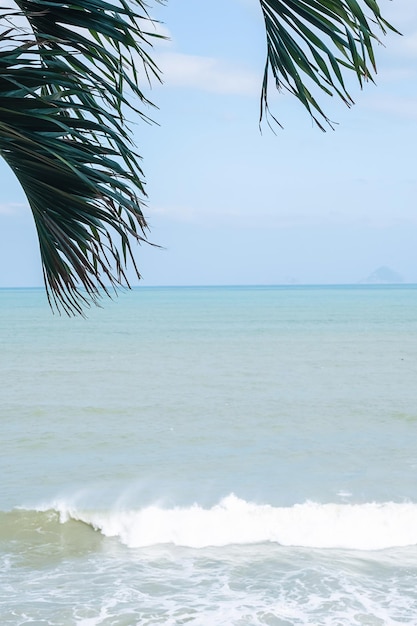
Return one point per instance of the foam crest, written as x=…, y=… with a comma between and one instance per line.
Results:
x=371, y=526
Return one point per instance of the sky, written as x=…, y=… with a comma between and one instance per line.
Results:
x=230, y=204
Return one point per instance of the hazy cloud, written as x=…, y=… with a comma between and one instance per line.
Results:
x=11, y=208
x=180, y=213
x=407, y=45
x=398, y=106
x=303, y=211
x=207, y=74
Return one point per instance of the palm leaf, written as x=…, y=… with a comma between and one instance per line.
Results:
x=304, y=38
x=65, y=85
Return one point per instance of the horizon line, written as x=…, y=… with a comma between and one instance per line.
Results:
x=233, y=285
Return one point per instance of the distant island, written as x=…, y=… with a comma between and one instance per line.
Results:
x=383, y=276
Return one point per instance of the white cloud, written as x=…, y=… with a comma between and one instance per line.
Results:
x=402, y=47
x=11, y=208
x=409, y=44
x=207, y=73
x=181, y=213
x=303, y=212
x=396, y=74
x=397, y=106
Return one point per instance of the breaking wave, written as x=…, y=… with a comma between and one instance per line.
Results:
x=369, y=526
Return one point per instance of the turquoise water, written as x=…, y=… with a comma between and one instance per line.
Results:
x=235, y=456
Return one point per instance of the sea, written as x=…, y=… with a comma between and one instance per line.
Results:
x=210, y=456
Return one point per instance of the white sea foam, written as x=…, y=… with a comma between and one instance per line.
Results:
x=370, y=526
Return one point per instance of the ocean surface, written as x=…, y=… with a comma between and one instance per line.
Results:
x=235, y=456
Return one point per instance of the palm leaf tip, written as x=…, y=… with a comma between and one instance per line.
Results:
x=315, y=44
x=66, y=83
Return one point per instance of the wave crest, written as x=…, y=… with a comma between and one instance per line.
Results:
x=370, y=526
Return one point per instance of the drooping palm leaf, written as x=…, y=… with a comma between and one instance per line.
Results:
x=65, y=83
x=315, y=42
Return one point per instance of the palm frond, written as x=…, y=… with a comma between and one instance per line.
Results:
x=70, y=77
x=65, y=85
x=315, y=42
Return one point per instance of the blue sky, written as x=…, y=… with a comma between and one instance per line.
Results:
x=231, y=205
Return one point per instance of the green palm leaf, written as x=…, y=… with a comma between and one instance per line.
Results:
x=315, y=42
x=69, y=78
x=65, y=84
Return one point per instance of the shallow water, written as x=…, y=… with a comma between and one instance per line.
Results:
x=210, y=456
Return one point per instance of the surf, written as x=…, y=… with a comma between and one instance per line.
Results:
x=235, y=521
